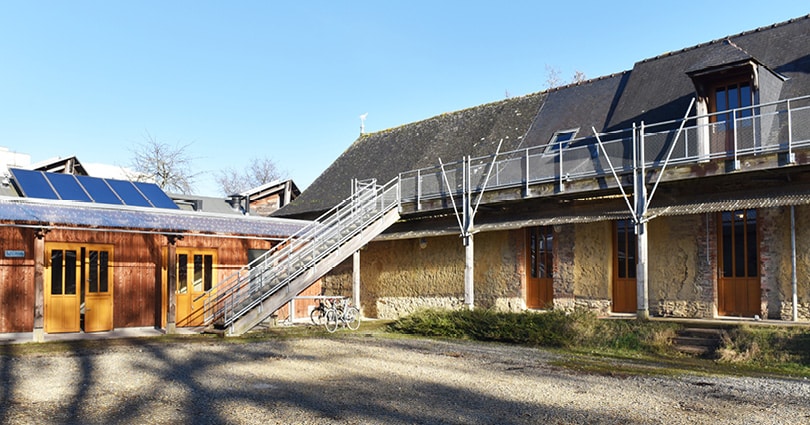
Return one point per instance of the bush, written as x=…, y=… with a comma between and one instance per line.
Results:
x=578, y=329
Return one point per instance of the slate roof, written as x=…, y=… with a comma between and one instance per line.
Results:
x=383, y=155
x=658, y=89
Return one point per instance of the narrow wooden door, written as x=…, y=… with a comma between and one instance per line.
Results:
x=624, y=268
x=738, y=287
x=539, y=267
x=98, y=289
x=62, y=293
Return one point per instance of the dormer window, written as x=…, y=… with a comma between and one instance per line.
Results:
x=560, y=139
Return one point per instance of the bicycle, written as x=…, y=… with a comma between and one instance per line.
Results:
x=344, y=312
x=318, y=314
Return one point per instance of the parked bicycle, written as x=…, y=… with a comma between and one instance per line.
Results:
x=342, y=312
x=318, y=314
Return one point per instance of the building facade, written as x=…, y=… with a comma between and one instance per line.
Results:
x=678, y=188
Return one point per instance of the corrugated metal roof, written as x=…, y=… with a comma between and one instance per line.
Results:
x=68, y=214
x=699, y=207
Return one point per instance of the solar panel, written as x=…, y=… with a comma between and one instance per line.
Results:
x=128, y=193
x=156, y=195
x=67, y=187
x=39, y=184
x=99, y=190
x=33, y=184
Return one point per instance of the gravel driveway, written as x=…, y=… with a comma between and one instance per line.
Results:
x=358, y=379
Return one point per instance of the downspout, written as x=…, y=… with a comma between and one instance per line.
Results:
x=794, y=279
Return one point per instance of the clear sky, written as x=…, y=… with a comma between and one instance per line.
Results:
x=289, y=80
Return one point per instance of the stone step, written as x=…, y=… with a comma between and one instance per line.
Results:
x=702, y=342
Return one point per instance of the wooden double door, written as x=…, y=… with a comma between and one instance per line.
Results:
x=78, y=287
x=196, y=275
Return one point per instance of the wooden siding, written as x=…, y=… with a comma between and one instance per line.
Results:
x=136, y=269
x=17, y=281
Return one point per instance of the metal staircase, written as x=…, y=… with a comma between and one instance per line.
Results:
x=251, y=295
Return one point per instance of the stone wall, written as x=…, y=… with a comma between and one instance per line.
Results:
x=398, y=277
x=777, y=268
x=681, y=282
x=592, y=267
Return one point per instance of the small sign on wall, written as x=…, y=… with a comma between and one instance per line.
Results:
x=15, y=253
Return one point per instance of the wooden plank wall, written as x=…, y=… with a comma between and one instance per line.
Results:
x=16, y=281
x=137, y=271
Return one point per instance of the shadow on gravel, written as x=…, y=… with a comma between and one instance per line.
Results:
x=7, y=381
x=190, y=385
x=190, y=391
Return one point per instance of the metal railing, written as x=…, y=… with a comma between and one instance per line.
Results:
x=277, y=268
x=780, y=126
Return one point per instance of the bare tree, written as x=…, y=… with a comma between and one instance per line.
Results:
x=170, y=167
x=258, y=172
x=552, y=77
x=579, y=77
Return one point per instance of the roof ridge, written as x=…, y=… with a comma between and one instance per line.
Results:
x=728, y=38
x=457, y=111
x=583, y=82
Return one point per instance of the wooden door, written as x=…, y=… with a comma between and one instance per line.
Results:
x=539, y=267
x=195, y=276
x=624, y=268
x=738, y=287
x=62, y=292
x=98, y=289
x=78, y=289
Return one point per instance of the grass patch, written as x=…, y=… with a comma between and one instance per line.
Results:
x=578, y=330
x=749, y=350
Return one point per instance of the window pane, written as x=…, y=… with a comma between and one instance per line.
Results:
x=103, y=274
x=209, y=273
x=533, y=252
x=745, y=99
x=198, y=273
x=56, y=271
x=631, y=252
x=720, y=99
x=739, y=244
x=93, y=288
x=753, y=256
x=182, y=273
x=70, y=272
x=622, y=248
x=547, y=249
x=728, y=244
x=733, y=97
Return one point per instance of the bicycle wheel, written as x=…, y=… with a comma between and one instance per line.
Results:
x=317, y=316
x=352, y=318
x=331, y=321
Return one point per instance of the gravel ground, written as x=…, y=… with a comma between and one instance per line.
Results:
x=367, y=380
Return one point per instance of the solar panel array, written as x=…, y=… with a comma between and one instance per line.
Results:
x=39, y=184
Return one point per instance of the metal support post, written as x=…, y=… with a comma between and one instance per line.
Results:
x=356, y=279
x=642, y=283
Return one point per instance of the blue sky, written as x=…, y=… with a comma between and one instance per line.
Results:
x=289, y=80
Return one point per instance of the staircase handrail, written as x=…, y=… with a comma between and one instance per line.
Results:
x=295, y=255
